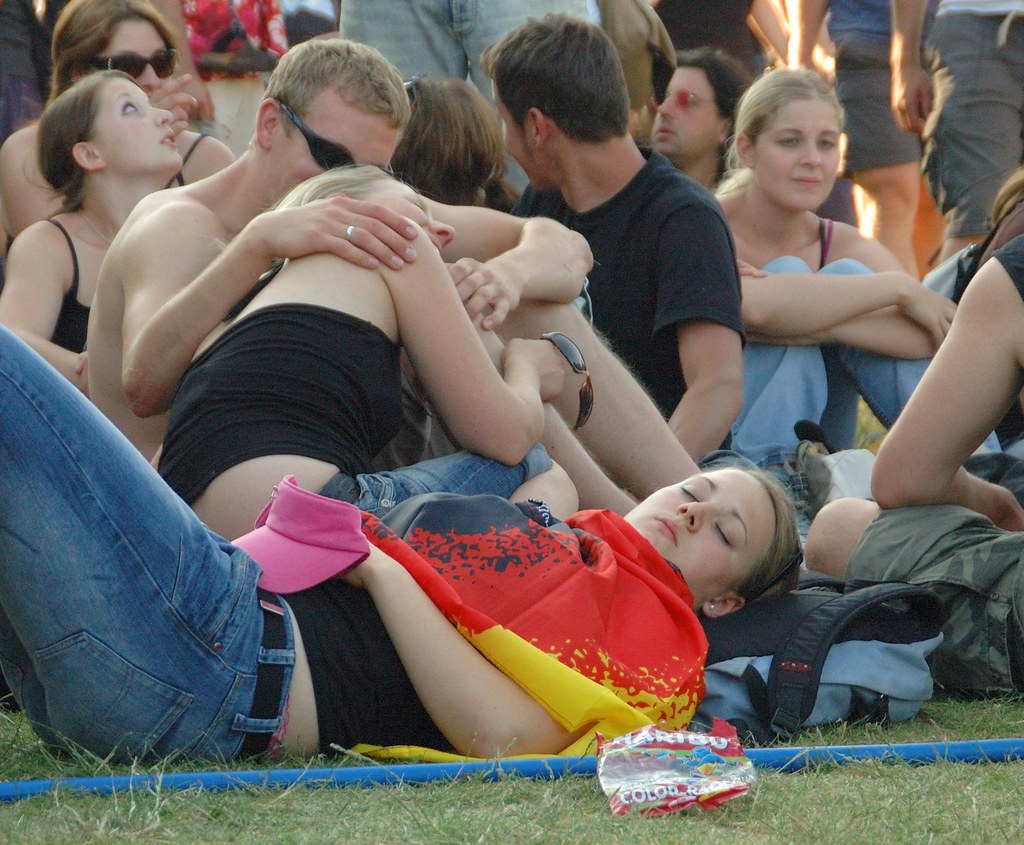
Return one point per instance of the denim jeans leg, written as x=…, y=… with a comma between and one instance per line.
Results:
x=839, y=419
x=887, y=383
x=141, y=626
x=781, y=384
x=442, y=37
x=464, y=473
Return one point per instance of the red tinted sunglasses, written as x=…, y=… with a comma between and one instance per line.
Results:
x=685, y=99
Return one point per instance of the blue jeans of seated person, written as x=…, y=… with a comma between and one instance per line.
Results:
x=126, y=625
x=465, y=473
x=785, y=384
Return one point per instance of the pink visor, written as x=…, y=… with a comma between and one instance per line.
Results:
x=302, y=539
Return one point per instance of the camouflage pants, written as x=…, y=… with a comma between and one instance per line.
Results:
x=975, y=568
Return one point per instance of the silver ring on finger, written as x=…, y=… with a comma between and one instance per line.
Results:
x=349, y=232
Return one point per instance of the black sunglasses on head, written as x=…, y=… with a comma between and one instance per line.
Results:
x=325, y=153
x=571, y=352
x=163, y=63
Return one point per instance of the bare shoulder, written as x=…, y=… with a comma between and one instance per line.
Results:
x=167, y=240
x=39, y=257
x=206, y=155
x=168, y=220
x=18, y=145
x=41, y=235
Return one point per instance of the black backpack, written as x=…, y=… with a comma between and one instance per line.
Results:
x=828, y=651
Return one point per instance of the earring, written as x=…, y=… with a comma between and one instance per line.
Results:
x=711, y=606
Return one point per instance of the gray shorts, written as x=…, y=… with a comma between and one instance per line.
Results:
x=863, y=79
x=973, y=140
x=975, y=568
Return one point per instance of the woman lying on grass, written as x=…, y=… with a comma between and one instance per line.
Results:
x=130, y=629
x=973, y=561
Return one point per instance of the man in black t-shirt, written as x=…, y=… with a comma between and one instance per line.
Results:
x=664, y=289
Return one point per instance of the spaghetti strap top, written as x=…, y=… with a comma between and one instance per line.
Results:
x=179, y=178
x=824, y=238
x=73, y=322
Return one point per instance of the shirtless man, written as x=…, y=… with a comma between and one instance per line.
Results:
x=169, y=280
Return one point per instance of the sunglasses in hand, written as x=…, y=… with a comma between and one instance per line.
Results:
x=571, y=352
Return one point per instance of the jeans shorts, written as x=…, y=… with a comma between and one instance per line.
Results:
x=442, y=37
x=973, y=139
x=863, y=80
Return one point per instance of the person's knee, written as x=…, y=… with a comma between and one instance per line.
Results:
x=893, y=190
x=834, y=534
x=787, y=264
x=554, y=488
x=533, y=316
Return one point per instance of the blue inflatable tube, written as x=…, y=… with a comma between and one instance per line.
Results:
x=545, y=768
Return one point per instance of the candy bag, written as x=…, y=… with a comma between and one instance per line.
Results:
x=656, y=771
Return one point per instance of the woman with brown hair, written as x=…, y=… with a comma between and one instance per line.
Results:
x=102, y=147
x=125, y=35
x=452, y=150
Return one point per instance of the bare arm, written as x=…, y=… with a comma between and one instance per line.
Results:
x=38, y=275
x=501, y=260
x=711, y=357
x=767, y=20
x=964, y=393
x=805, y=20
x=496, y=414
x=808, y=307
x=481, y=711
x=169, y=312
x=911, y=82
x=887, y=332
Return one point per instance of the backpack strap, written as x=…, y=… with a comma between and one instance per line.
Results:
x=969, y=263
x=795, y=672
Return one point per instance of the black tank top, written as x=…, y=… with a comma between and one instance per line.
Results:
x=73, y=322
x=290, y=379
x=363, y=693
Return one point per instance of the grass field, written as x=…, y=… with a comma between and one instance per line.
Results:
x=856, y=803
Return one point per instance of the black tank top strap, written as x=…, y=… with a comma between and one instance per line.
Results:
x=73, y=293
x=179, y=177
x=261, y=283
x=825, y=225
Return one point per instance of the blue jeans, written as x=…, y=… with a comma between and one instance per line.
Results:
x=785, y=384
x=126, y=626
x=442, y=37
x=465, y=473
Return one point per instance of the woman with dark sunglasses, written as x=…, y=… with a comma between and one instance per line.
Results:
x=102, y=148
x=304, y=379
x=129, y=628
x=125, y=35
